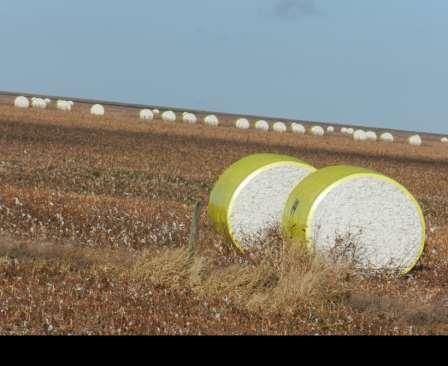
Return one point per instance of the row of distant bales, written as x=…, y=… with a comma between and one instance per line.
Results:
x=212, y=120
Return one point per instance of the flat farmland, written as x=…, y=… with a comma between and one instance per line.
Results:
x=95, y=216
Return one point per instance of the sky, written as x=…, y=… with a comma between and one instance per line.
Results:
x=381, y=63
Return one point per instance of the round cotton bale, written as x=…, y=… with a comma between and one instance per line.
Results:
x=97, y=110
x=330, y=129
x=387, y=137
x=444, y=140
x=344, y=130
x=21, y=102
x=298, y=128
x=169, y=116
x=155, y=112
x=355, y=212
x=279, y=127
x=359, y=135
x=189, y=118
x=47, y=101
x=38, y=103
x=146, y=114
x=371, y=136
x=242, y=123
x=248, y=199
x=350, y=131
x=317, y=131
x=211, y=120
x=262, y=125
x=415, y=140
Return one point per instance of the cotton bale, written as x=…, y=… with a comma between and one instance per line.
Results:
x=169, y=116
x=211, y=120
x=344, y=130
x=155, y=112
x=298, y=128
x=444, y=140
x=146, y=114
x=21, y=102
x=279, y=127
x=242, y=123
x=189, y=118
x=360, y=135
x=387, y=137
x=414, y=140
x=317, y=131
x=350, y=131
x=330, y=129
x=262, y=125
x=371, y=136
x=249, y=197
x=358, y=213
x=38, y=103
x=97, y=110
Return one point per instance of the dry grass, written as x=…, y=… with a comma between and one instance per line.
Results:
x=103, y=205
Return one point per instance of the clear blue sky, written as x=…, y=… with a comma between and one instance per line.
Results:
x=382, y=63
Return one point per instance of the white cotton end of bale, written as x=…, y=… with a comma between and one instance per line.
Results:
x=387, y=137
x=330, y=129
x=350, y=131
x=242, y=123
x=211, y=120
x=317, y=131
x=444, y=140
x=247, y=201
x=359, y=214
x=371, y=136
x=189, y=118
x=279, y=127
x=415, y=140
x=47, y=101
x=261, y=125
x=21, y=102
x=344, y=130
x=146, y=114
x=169, y=116
x=38, y=103
x=97, y=110
x=360, y=135
x=298, y=128
x=155, y=112
x=64, y=105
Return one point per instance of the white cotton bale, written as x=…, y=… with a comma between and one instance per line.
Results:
x=97, y=110
x=38, y=103
x=261, y=125
x=279, y=127
x=415, y=140
x=47, y=101
x=363, y=215
x=387, y=137
x=350, y=131
x=21, y=102
x=298, y=128
x=444, y=140
x=146, y=114
x=330, y=129
x=169, y=116
x=248, y=199
x=189, y=118
x=155, y=112
x=344, y=130
x=371, y=136
x=242, y=123
x=317, y=131
x=360, y=135
x=64, y=105
x=211, y=120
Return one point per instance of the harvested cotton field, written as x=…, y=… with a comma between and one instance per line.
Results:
x=95, y=217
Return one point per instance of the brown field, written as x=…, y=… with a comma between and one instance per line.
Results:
x=94, y=224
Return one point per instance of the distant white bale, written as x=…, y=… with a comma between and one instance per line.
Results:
x=243, y=124
x=359, y=135
x=317, y=131
x=21, y=102
x=387, y=137
x=279, y=127
x=155, y=112
x=330, y=129
x=371, y=136
x=146, y=114
x=262, y=125
x=47, y=101
x=38, y=103
x=189, y=118
x=71, y=103
x=415, y=140
x=350, y=131
x=97, y=110
x=444, y=140
x=211, y=120
x=344, y=130
x=298, y=128
x=169, y=116
x=64, y=105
